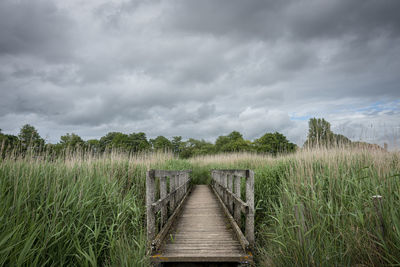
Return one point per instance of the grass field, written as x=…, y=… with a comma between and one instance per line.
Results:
x=313, y=208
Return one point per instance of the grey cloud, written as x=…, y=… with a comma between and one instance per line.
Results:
x=270, y=20
x=254, y=18
x=196, y=68
x=36, y=28
x=333, y=19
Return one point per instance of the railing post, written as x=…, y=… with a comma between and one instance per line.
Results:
x=151, y=219
x=171, y=189
x=230, y=187
x=225, y=184
x=186, y=182
x=218, y=180
x=163, y=194
x=177, y=192
x=182, y=193
x=237, y=214
x=250, y=203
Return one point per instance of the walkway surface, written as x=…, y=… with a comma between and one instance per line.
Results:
x=202, y=233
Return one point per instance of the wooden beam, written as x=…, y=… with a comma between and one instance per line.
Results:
x=236, y=212
x=243, y=206
x=162, y=173
x=230, y=196
x=172, y=189
x=163, y=194
x=241, y=173
x=161, y=202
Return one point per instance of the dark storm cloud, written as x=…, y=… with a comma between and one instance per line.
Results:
x=270, y=20
x=35, y=28
x=196, y=68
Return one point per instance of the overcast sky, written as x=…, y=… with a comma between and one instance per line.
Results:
x=201, y=68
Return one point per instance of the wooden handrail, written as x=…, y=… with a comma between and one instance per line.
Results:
x=243, y=205
x=179, y=187
x=226, y=184
x=163, y=201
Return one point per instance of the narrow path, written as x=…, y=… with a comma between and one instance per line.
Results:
x=202, y=233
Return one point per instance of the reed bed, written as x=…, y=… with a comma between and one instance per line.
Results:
x=321, y=207
x=313, y=208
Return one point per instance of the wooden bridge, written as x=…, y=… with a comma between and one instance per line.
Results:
x=200, y=223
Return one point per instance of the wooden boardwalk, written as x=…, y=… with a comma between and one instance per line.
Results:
x=201, y=226
x=202, y=233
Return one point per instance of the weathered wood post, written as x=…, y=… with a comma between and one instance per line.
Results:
x=163, y=194
x=186, y=182
x=182, y=192
x=250, y=203
x=171, y=189
x=237, y=212
x=225, y=185
x=219, y=181
x=177, y=192
x=151, y=219
x=230, y=188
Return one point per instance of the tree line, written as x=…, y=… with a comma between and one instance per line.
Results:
x=29, y=139
x=319, y=135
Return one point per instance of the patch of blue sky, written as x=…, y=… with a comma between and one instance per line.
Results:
x=380, y=106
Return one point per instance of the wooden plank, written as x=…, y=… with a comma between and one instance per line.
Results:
x=230, y=196
x=176, y=178
x=240, y=173
x=236, y=213
x=202, y=232
x=150, y=195
x=216, y=257
x=225, y=185
x=172, y=189
x=250, y=201
x=163, y=194
x=163, y=173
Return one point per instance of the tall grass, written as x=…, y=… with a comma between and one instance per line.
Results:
x=84, y=211
x=313, y=208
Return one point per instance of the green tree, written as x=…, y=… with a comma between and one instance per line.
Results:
x=29, y=137
x=7, y=142
x=161, y=143
x=194, y=147
x=319, y=133
x=274, y=143
x=71, y=140
x=340, y=140
x=177, y=144
x=114, y=140
x=93, y=144
x=233, y=142
x=138, y=142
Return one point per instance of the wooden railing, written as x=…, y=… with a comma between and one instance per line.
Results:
x=227, y=186
x=165, y=193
